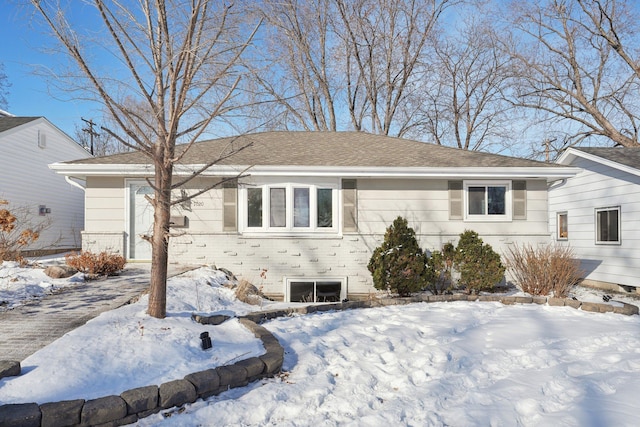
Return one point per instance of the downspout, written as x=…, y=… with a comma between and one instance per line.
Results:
x=74, y=183
x=556, y=183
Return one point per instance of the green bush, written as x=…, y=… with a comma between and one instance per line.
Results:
x=441, y=262
x=479, y=265
x=399, y=265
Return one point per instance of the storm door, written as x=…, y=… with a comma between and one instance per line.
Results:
x=140, y=221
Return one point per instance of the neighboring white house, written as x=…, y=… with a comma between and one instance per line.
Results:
x=597, y=214
x=27, y=146
x=304, y=222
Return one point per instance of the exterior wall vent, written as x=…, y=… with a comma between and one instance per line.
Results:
x=42, y=139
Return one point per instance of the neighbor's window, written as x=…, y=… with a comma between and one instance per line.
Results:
x=487, y=201
x=291, y=207
x=563, y=226
x=608, y=225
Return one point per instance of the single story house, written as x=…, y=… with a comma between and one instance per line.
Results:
x=597, y=214
x=310, y=207
x=28, y=145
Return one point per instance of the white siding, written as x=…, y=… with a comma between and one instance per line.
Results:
x=423, y=202
x=425, y=205
x=205, y=211
x=344, y=255
x=105, y=204
x=599, y=186
x=26, y=180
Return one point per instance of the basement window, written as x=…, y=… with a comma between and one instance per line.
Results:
x=309, y=290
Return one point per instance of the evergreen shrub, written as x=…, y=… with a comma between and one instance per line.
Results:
x=479, y=265
x=399, y=265
x=441, y=262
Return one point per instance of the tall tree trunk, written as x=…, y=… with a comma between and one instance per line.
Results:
x=160, y=242
x=178, y=69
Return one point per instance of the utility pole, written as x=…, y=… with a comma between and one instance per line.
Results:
x=547, y=148
x=90, y=131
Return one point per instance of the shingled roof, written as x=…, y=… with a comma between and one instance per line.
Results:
x=7, y=123
x=628, y=156
x=348, y=149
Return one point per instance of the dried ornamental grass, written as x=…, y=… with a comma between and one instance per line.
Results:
x=545, y=269
x=91, y=264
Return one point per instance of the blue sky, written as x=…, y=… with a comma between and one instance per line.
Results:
x=21, y=51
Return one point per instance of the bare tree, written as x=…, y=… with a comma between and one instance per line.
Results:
x=463, y=100
x=298, y=70
x=101, y=143
x=178, y=58
x=578, y=76
x=383, y=42
x=614, y=21
x=333, y=56
x=4, y=88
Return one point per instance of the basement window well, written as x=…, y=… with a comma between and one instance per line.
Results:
x=309, y=290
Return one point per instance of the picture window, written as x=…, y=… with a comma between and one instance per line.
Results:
x=290, y=208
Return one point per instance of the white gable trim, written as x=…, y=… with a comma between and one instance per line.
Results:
x=570, y=155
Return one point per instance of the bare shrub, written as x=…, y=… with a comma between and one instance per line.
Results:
x=17, y=231
x=544, y=270
x=93, y=265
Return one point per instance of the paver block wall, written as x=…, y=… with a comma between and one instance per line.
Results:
x=141, y=402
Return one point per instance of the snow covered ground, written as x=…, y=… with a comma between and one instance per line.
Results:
x=434, y=364
x=19, y=285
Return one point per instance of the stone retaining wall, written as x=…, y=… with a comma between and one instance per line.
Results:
x=141, y=402
x=626, y=309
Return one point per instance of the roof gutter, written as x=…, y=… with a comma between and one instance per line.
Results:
x=550, y=173
x=69, y=178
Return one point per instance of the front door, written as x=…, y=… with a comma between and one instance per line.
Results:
x=140, y=221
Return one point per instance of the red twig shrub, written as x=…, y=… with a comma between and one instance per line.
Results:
x=91, y=264
x=544, y=270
